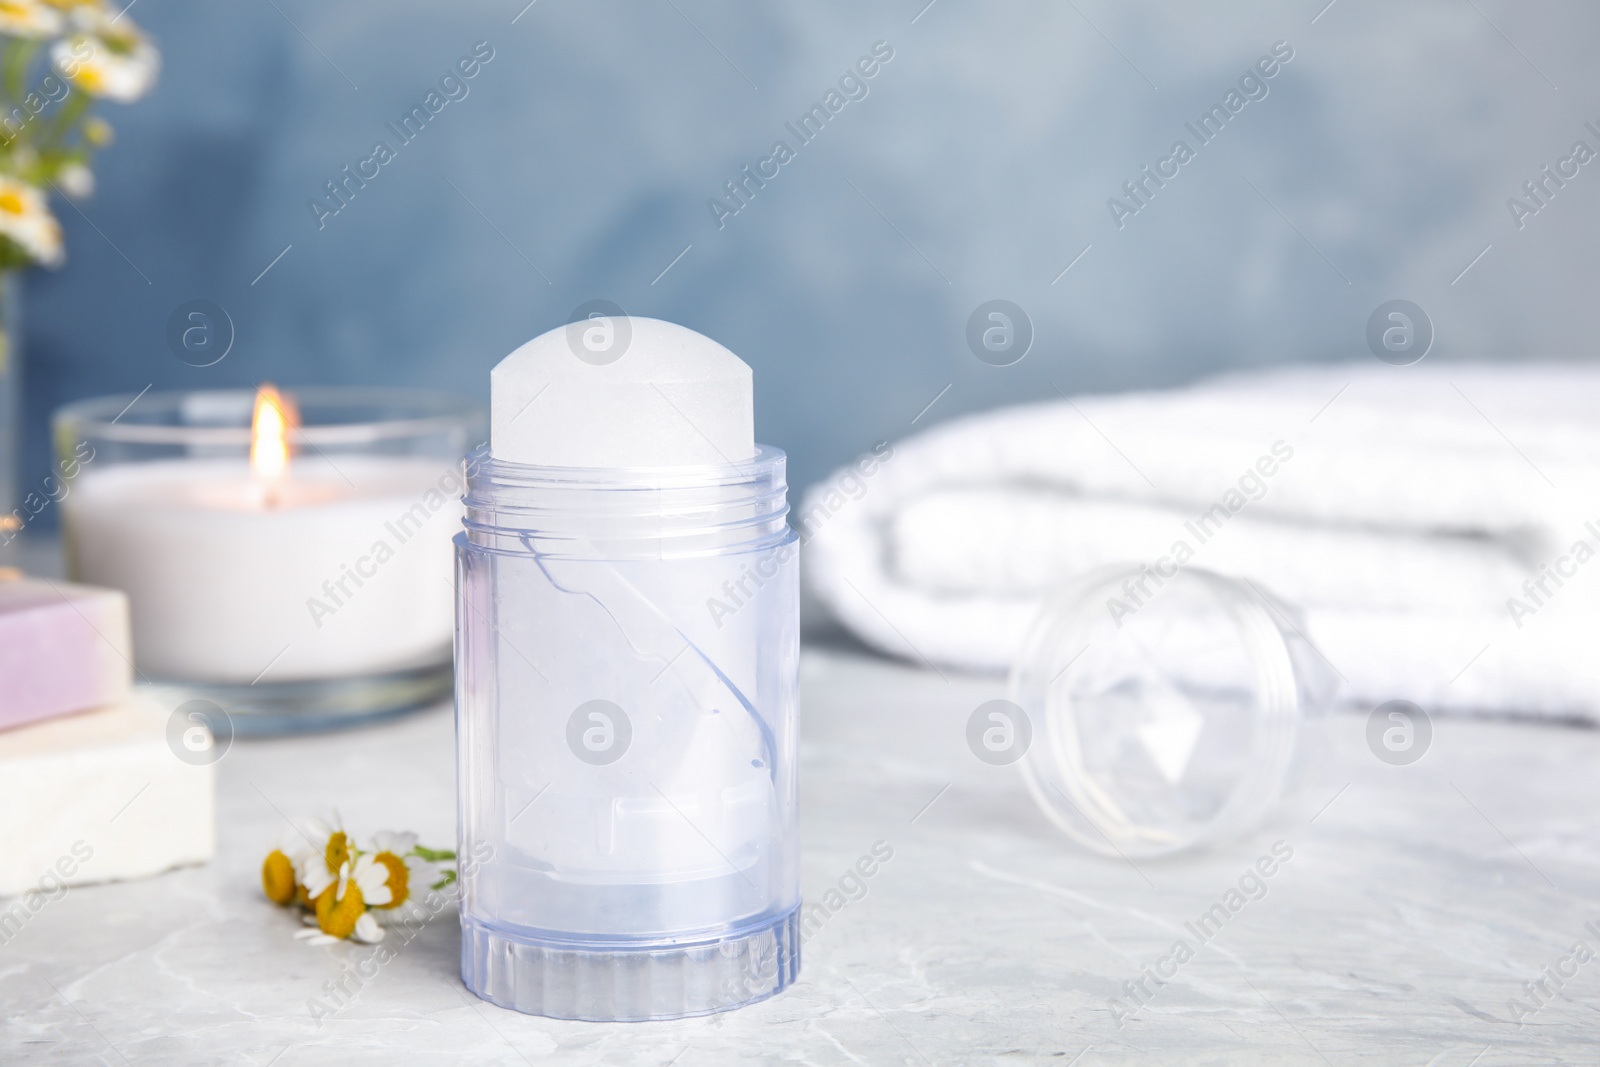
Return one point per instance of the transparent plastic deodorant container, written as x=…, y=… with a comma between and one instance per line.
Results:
x=626, y=669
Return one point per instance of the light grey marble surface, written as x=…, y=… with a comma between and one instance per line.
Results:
x=1414, y=906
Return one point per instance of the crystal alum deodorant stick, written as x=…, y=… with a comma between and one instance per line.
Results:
x=626, y=658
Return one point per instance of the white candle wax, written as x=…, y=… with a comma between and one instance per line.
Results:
x=343, y=568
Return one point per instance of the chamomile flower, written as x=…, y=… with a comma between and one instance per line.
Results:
x=107, y=57
x=74, y=179
x=319, y=866
x=26, y=220
x=372, y=877
x=280, y=872
x=340, y=906
x=344, y=887
x=409, y=872
x=28, y=18
x=278, y=879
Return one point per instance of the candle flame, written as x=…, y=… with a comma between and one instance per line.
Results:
x=274, y=417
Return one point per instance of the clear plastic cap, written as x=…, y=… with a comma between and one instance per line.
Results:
x=1169, y=711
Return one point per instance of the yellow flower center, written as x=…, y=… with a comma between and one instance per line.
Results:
x=11, y=203
x=338, y=850
x=399, y=878
x=338, y=915
x=277, y=877
x=14, y=9
x=89, y=79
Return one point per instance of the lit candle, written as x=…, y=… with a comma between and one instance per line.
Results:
x=269, y=442
x=295, y=564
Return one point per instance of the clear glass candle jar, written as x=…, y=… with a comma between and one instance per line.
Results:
x=319, y=599
x=627, y=663
x=1168, y=711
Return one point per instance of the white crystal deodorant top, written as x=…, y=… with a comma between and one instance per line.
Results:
x=621, y=391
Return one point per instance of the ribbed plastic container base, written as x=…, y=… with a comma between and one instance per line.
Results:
x=634, y=983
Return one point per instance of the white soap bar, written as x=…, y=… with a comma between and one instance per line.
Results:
x=622, y=392
x=97, y=797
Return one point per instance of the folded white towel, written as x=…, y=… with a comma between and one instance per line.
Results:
x=1436, y=524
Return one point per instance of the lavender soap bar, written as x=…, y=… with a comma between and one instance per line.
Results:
x=63, y=648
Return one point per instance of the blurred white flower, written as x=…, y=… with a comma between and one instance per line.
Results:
x=26, y=219
x=75, y=180
x=28, y=18
x=106, y=58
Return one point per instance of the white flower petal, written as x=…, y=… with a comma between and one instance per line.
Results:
x=372, y=878
x=368, y=930
x=318, y=832
x=313, y=873
x=392, y=841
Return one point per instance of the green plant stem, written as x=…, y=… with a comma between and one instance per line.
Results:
x=71, y=110
x=18, y=54
x=433, y=855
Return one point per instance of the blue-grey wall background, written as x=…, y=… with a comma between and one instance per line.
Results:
x=978, y=165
